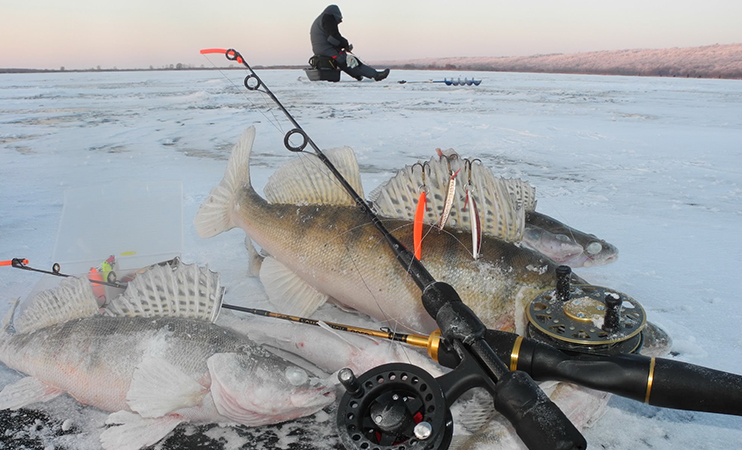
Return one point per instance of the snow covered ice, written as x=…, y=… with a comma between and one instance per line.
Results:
x=652, y=165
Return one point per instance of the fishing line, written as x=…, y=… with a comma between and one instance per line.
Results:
x=393, y=322
x=275, y=121
x=254, y=83
x=519, y=398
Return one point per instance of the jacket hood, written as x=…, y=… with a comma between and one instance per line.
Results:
x=335, y=11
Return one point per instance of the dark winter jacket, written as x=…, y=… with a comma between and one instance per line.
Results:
x=324, y=34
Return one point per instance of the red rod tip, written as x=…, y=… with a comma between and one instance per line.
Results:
x=213, y=50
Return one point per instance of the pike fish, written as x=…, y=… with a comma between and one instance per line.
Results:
x=322, y=246
x=154, y=359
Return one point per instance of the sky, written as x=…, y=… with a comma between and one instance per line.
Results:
x=83, y=34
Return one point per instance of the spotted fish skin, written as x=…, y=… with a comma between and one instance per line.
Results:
x=153, y=372
x=337, y=251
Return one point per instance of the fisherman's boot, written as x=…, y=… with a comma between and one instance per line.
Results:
x=355, y=72
x=381, y=75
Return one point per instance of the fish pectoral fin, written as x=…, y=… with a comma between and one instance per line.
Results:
x=289, y=293
x=226, y=371
x=134, y=431
x=26, y=391
x=158, y=388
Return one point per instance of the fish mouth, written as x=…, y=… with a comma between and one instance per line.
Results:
x=313, y=398
x=599, y=261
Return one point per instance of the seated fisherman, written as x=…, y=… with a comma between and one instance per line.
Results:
x=327, y=41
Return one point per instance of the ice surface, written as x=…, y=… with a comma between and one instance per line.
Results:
x=139, y=222
x=653, y=165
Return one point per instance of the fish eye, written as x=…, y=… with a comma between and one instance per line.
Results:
x=594, y=248
x=296, y=375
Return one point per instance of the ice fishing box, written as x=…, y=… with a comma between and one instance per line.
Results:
x=323, y=69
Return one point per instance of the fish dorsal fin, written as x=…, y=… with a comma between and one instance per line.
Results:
x=306, y=180
x=289, y=293
x=72, y=299
x=502, y=202
x=171, y=290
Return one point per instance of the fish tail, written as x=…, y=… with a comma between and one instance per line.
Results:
x=214, y=216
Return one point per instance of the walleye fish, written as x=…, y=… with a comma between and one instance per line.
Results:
x=506, y=209
x=154, y=359
x=323, y=249
x=565, y=244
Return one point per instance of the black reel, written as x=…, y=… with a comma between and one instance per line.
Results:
x=585, y=318
x=395, y=406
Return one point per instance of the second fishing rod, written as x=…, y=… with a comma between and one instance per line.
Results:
x=374, y=400
x=656, y=381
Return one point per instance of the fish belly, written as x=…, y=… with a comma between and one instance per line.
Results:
x=94, y=359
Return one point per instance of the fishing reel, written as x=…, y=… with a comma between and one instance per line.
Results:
x=394, y=406
x=586, y=319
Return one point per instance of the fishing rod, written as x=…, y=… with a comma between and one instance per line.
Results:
x=416, y=340
x=21, y=263
x=655, y=381
x=375, y=410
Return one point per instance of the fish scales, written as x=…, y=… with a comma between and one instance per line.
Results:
x=338, y=251
x=342, y=254
x=151, y=363
x=102, y=353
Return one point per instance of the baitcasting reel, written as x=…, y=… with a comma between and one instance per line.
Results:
x=585, y=318
x=394, y=406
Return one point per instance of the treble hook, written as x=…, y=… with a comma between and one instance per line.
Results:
x=470, y=163
x=423, y=167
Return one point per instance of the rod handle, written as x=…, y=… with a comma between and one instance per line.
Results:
x=538, y=421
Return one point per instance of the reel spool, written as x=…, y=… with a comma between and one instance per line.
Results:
x=393, y=407
x=586, y=318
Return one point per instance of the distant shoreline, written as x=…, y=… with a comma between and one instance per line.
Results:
x=712, y=61
x=458, y=68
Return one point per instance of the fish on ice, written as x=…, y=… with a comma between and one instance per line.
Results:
x=154, y=358
x=322, y=246
x=506, y=208
x=566, y=245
